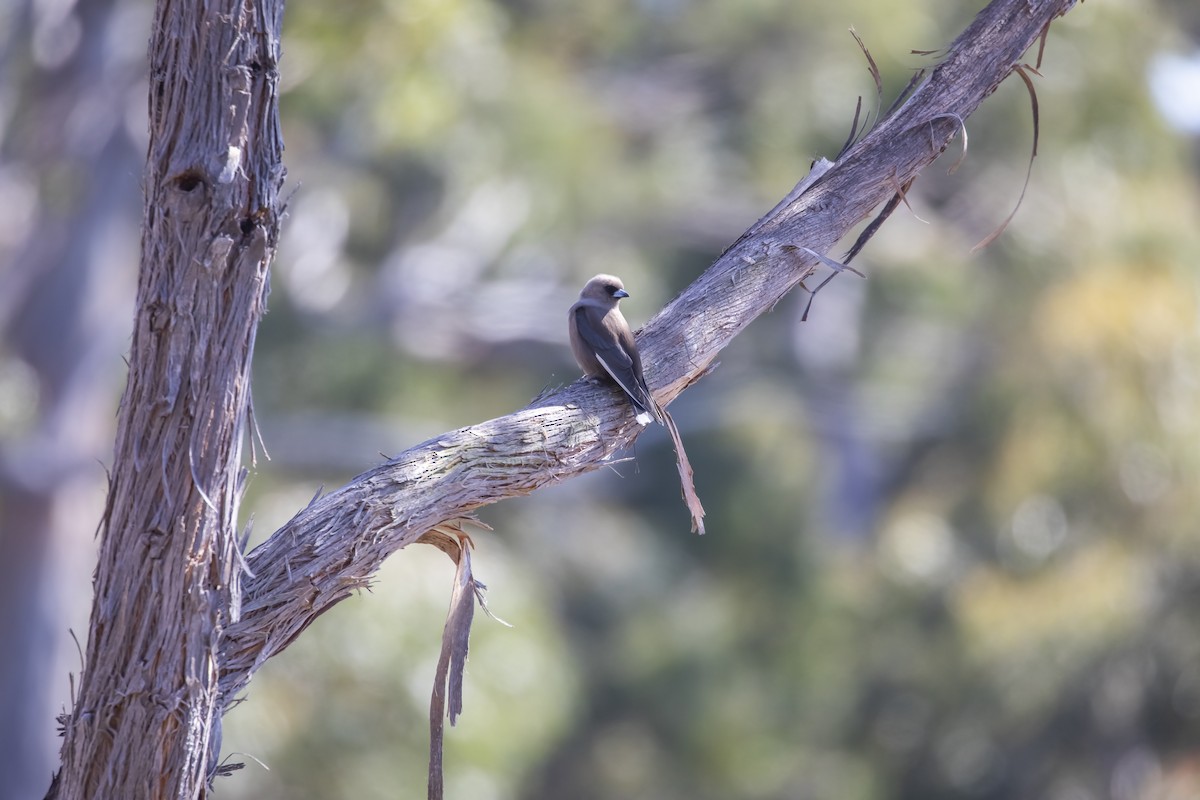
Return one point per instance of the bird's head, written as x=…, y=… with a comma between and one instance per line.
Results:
x=606, y=289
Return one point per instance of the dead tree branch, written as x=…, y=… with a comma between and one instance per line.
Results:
x=334, y=546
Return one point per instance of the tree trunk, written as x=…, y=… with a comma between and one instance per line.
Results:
x=172, y=641
x=167, y=585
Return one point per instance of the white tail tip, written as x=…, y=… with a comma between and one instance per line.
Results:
x=644, y=418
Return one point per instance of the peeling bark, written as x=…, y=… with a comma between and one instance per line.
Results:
x=147, y=717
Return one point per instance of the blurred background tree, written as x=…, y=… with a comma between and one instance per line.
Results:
x=953, y=548
x=72, y=145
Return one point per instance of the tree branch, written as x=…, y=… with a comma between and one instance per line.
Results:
x=334, y=545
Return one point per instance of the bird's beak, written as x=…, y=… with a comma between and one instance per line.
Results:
x=619, y=293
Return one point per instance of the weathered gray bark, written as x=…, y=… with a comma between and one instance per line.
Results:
x=146, y=717
x=167, y=622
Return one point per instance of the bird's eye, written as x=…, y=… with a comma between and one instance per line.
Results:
x=611, y=289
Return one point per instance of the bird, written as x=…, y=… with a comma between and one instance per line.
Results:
x=604, y=345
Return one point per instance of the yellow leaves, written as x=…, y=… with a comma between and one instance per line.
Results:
x=1039, y=450
x=1108, y=313
x=1069, y=611
x=1111, y=339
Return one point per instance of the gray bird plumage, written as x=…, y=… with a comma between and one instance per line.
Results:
x=604, y=346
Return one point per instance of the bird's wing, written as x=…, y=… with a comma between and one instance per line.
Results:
x=616, y=353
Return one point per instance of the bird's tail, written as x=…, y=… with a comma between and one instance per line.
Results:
x=686, y=484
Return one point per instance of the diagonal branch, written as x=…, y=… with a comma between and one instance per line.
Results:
x=334, y=545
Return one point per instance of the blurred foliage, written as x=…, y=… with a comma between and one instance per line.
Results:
x=953, y=549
